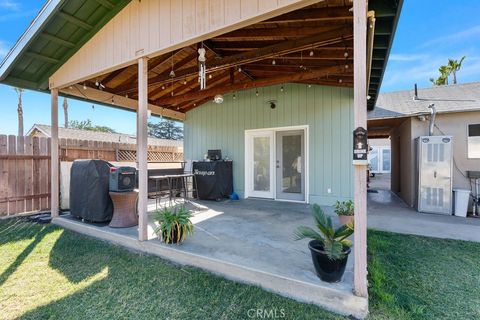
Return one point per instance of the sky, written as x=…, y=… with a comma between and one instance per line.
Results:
x=428, y=33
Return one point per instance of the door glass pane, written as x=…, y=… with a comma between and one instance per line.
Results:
x=292, y=164
x=386, y=159
x=373, y=160
x=261, y=163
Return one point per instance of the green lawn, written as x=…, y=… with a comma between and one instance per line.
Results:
x=50, y=273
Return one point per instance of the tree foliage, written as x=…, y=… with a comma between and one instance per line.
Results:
x=165, y=129
x=87, y=125
x=445, y=71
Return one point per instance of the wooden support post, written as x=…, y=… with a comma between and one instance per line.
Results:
x=54, y=162
x=142, y=145
x=360, y=120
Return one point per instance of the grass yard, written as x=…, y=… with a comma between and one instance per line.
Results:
x=50, y=273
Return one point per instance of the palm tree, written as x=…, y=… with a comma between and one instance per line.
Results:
x=444, y=73
x=19, y=92
x=454, y=66
x=65, y=111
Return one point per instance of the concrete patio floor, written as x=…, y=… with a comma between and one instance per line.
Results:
x=387, y=212
x=249, y=241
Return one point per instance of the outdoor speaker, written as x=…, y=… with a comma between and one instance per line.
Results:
x=122, y=179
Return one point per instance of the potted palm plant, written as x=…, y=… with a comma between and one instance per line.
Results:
x=329, y=247
x=344, y=211
x=174, y=225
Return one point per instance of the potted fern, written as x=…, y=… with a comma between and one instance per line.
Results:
x=174, y=225
x=329, y=247
x=344, y=211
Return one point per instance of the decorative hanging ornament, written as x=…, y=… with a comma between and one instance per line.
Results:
x=202, y=70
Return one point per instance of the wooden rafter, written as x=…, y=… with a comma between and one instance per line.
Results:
x=252, y=84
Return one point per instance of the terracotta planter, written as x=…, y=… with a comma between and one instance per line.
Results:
x=326, y=269
x=345, y=219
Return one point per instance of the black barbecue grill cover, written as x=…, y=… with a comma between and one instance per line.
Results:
x=89, y=198
x=214, y=179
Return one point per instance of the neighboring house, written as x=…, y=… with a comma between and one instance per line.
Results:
x=43, y=130
x=402, y=118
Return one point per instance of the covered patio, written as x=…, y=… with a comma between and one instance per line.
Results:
x=144, y=56
x=249, y=241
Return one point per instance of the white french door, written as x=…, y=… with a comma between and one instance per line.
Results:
x=260, y=157
x=275, y=163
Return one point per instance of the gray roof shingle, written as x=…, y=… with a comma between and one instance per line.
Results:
x=69, y=133
x=451, y=98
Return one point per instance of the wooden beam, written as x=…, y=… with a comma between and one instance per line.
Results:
x=253, y=84
x=313, y=14
x=57, y=40
x=106, y=3
x=39, y=56
x=75, y=21
x=277, y=33
x=360, y=171
x=104, y=97
x=334, y=36
x=338, y=35
x=55, y=166
x=142, y=149
x=112, y=76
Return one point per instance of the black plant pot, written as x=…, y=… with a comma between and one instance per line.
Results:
x=328, y=270
x=173, y=236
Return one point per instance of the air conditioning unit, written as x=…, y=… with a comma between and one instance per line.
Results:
x=435, y=165
x=122, y=179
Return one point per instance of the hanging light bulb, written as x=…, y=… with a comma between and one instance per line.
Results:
x=281, y=89
x=113, y=100
x=309, y=85
x=185, y=82
x=84, y=86
x=345, y=54
x=163, y=87
x=274, y=62
x=126, y=95
x=239, y=69
x=256, y=92
x=210, y=76
x=172, y=74
x=346, y=66
x=311, y=53
x=234, y=96
x=340, y=80
x=97, y=83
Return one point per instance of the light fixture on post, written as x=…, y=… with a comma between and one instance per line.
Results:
x=218, y=99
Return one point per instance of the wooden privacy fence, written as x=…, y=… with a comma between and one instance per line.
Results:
x=24, y=174
x=25, y=166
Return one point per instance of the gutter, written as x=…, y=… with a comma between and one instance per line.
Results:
x=35, y=27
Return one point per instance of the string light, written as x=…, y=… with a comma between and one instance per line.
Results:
x=84, y=86
x=281, y=89
x=345, y=54
x=163, y=87
x=239, y=69
x=256, y=92
x=340, y=80
x=113, y=100
x=309, y=85
x=311, y=53
x=234, y=96
x=274, y=62
x=210, y=76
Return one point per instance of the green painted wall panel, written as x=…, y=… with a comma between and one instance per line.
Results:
x=328, y=111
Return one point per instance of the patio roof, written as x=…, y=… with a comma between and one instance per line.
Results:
x=57, y=32
x=312, y=45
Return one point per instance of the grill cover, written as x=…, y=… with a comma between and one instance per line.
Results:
x=89, y=184
x=214, y=179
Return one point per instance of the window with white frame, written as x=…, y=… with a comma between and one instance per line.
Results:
x=473, y=141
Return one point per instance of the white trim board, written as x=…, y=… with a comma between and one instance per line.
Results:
x=273, y=177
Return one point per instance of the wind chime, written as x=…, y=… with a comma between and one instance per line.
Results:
x=202, y=68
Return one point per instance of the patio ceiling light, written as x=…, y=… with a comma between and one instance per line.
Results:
x=218, y=99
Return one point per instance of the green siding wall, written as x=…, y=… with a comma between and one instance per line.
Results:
x=327, y=110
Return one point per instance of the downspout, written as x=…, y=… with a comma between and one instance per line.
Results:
x=432, y=119
x=370, y=38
